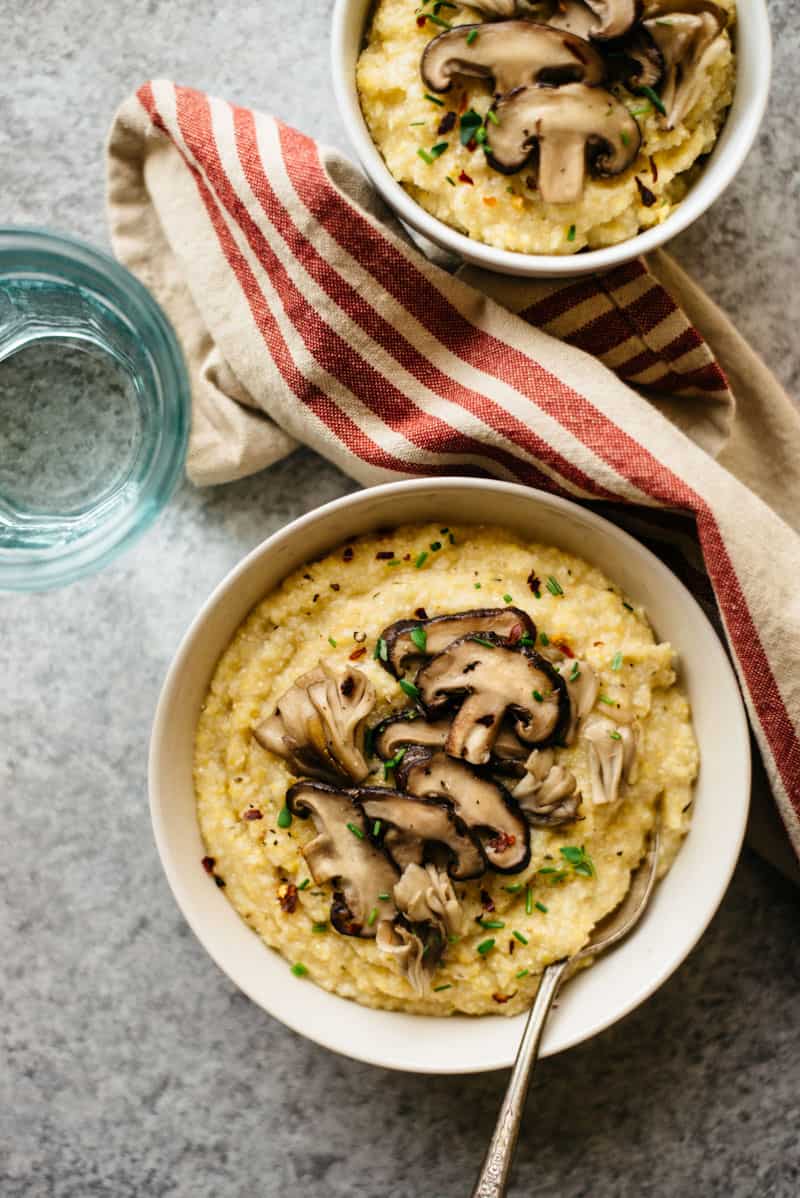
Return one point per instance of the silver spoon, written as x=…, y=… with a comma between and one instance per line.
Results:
x=493, y=1177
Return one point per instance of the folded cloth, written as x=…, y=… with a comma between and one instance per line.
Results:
x=306, y=315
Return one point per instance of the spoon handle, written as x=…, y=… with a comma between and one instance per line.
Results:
x=493, y=1177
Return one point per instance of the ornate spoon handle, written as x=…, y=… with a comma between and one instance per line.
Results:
x=493, y=1177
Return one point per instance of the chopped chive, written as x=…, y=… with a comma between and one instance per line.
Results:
x=434, y=99
x=319, y=927
x=554, y=587
x=376, y=828
x=491, y=923
x=389, y=765
x=522, y=939
x=299, y=969
x=384, y=897
x=381, y=650
x=575, y=672
x=477, y=586
x=331, y=642
x=616, y=661
x=439, y=148
x=471, y=36
x=284, y=817
x=627, y=605
x=480, y=135
x=409, y=689
x=369, y=737
x=421, y=560
x=492, y=116
x=624, y=138
x=513, y=887
x=585, y=868
x=395, y=562
x=522, y=973
x=527, y=639
x=558, y=876
x=571, y=230
x=419, y=637
x=436, y=546
x=425, y=156
x=481, y=640
x=507, y=599
x=446, y=986
x=576, y=856
x=540, y=907
x=373, y=915
x=412, y=124
x=528, y=900
x=304, y=885
x=453, y=939
x=615, y=735
x=354, y=828
x=605, y=699
x=538, y=696
x=444, y=531
x=451, y=538
x=544, y=638
x=654, y=98
x=485, y=947
x=439, y=21
x=452, y=182
x=642, y=110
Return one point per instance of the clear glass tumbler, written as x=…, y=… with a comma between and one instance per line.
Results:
x=94, y=409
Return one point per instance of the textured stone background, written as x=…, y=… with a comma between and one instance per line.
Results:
x=133, y=1067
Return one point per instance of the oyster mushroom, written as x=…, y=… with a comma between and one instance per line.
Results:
x=572, y=127
x=412, y=828
x=363, y=871
x=582, y=686
x=638, y=63
x=612, y=756
x=688, y=36
x=426, y=895
x=548, y=794
x=409, y=952
x=318, y=725
x=398, y=732
x=600, y=19
x=511, y=54
x=495, y=8
x=433, y=635
x=481, y=803
x=493, y=677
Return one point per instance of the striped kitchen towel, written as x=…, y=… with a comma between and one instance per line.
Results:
x=306, y=316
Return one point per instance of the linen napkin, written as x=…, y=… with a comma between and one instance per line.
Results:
x=307, y=316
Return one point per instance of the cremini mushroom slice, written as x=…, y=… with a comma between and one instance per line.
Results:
x=400, y=731
x=582, y=686
x=425, y=894
x=572, y=127
x=343, y=852
x=411, y=829
x=548, y=794
x=480, y=802
x=318, y=724
x=600, y=19
x=688, y=36
x=409, y=952
x=495, y=8
x=412, y=641
x=491, y=677
x=612, y=755
x=511, y=54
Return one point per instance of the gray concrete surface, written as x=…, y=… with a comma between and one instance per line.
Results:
x=132, y=1068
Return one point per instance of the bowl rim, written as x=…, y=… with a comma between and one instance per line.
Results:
x=732, y=147
x=327, y=1035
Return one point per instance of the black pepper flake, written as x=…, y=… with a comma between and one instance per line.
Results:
x=219, y=881
x=447, y=122
x=420, y=613
x=315, y=598
x=384, y=555
x=335, y=586
x=647, y=196
x=535, y=584
x=347, y=556
x=487, y=902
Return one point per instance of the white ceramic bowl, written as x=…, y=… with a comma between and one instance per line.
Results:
x=752, y=88
x=684, y=902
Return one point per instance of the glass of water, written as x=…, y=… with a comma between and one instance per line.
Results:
x=94, y=409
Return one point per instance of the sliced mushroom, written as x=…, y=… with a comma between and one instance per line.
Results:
x=398, y=732
x=426, y=895
x=612, y=756
x=364, y=872
x=600, y=19
x=512, y=54
x=688, y=35
x=571, y=127
x=638, y=62
x=495, y=8
x=409, y=952
x=318, y=725
x=493, y=677
x=417, y=826
x=548, y=794
x=481, y=803
x=582, y=686
x=440, y=631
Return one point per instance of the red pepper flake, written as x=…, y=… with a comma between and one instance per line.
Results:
x=287, y=897
x=535, y=584
x=446, y=123
x=208, y=864
x=335, y=586
x=420, y=613
x=565, y=648
x=472, y=145
x=347, y=556
x=315, y=598
x=514, y=634
x=653, y=169
x=647, y=196
x=487, y=902
x=421, y=21
x=384, y=555
x=407, y=557
x=354, y=656
x=464, y=178
x=501, y=998
x=490, y=201
x=502, y=841
x=252, y=813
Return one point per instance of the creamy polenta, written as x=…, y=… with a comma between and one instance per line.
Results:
x=333, y=610
x=420, y=143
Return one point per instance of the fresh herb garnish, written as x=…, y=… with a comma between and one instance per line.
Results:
x=381, y=650
x=299, y=969
x=331, y=642
x=527, y=639
x=654, y=98
x=452, y=182
x=522, y=973
x=421, y=559
x=409, y=689
x=477, y=586
x=522, y=939
x=490, y=923
x=575, y=672
x=446, y=986
x=439, y=21
x=571, y=230
x=605, y=699
x=389, y=765
x=513, y=887
x=376, y=828
x=485, y=947
x=436, y=546
x=384, y=897
x=471, y=36
x=615, y=735
x=434, y=99
x=616, y=661
x=481, y=640
x=627, y=605
x=284, y=817
x=507, y=599
x=354, y=828
x=492, y=116
x=304, y=885
x=373, y=915
x=419, y=637
x=578, y=859
x=469, y=123
x=319, y=927
x=540, y=907
x=528, y=900
x=554, y=586
x=544, y=638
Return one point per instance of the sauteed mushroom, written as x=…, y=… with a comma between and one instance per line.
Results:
x=481, y=803
x=612, y=755
x=410, y=641
x=414, y=827
x=410, y=953
x=548, y=794
x=600, y=19
x=512, y=54
x=572, y=127
x=582, y=686
x=363, y=870
x=398, y=732
x=493, y=677
x=318, y=725
x=687, y=35
x=426, y=895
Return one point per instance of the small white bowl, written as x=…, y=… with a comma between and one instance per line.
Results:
x=683, y=903
x=753, y=53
